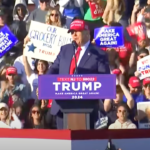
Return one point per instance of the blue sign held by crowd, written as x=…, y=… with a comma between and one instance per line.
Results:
x=77, y=86
x=109, y=37
x=7, y=40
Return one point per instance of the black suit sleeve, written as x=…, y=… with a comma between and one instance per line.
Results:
x=103, y=63
x=54, y=69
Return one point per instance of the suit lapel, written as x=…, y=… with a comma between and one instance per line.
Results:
x=86, y=56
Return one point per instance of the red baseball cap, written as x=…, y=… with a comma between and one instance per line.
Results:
x=116, y=71
x=146, y=81
x=78, y=25
x=11, y=70
x=134, y=82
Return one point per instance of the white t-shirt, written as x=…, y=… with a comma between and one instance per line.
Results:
x=33, y=81
x=18, y=63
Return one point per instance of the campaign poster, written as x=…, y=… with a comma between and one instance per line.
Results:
x=96, y=10
x=46, y=41
x=137, y=31
x=77, y=86
x=143, y=109
x=7, y=40
x=143, y=67
x=109, y=37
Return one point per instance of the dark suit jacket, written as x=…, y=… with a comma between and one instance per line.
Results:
x=94, y=61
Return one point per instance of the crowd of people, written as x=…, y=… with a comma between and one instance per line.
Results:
x=19, y=103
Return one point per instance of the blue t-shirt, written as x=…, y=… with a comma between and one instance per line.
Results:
x=142, y=98
x=135, y=97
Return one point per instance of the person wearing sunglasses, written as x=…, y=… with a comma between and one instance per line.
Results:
x=53, y=17
x=13, y=89
x=36, y=118
x=39, y=14
x=123, y=122
x=8, y=118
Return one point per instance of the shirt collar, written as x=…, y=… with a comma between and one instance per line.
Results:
x=85, y=46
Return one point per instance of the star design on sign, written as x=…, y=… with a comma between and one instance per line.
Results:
x=31, y=48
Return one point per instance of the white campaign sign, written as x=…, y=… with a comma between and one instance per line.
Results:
x=143, y=66
x=46, y=41
x=143, y=109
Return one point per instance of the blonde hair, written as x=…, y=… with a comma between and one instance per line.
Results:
x=49, y=22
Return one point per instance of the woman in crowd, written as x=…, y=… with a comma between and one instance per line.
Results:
x=13, y=90
x=41, y=68
x=111, y=105
x=36, y=118
x=53, y=17
x=123, y=122
x=8, y=118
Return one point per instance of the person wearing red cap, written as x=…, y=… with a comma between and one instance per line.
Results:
x=13, y=91
x=135, y=88
x=80, y=57
x=145, y=96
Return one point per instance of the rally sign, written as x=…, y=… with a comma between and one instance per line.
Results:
x=96, y=10
x=137, y=31
x=46, y=41
x=143, y=109
x=7, y=40
x=143, y=67
x=109, y=36
x=77, y=86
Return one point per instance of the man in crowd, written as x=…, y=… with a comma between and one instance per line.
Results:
x=89, y=58
x=40, y=13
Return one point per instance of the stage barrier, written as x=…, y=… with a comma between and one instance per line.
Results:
x=73, y=140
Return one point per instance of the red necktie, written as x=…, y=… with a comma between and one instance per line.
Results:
x=73, y=63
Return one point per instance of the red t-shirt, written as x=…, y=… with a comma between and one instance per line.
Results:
x=49, y=103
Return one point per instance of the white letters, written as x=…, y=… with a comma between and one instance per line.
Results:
x=73, y=86
x=97, y=85
x=56, y=85
x=65, y=86
x=87, y=86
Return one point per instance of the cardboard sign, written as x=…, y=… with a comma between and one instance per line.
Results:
x=137, y=31
x=7, y=40
x=109, y=37
x=46, y=41
x=143, y=66
x=96, y=10
x=77, y=86
x=143, y=109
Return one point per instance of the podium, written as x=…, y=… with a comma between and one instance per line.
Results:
x=77, y=96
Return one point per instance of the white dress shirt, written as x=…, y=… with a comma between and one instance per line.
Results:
x=83, y=49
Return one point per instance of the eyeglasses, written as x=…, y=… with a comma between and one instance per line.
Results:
x=56, y=15
x=35, y=111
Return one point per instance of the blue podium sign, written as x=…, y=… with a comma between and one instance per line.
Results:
x=7, y=40
x=109, y=37
x=77, y=86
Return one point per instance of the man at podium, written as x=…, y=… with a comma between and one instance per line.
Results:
x=80, y=57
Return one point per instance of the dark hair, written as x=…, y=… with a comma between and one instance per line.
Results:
x=30, y=119
x=36, y=63
x=123, y=104
x=143, y=50
x=115, y=24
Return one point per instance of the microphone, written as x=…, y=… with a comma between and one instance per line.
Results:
x=75, y=45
